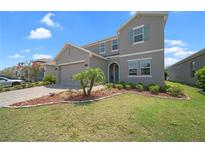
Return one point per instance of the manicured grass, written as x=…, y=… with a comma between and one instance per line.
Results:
x=128, y=117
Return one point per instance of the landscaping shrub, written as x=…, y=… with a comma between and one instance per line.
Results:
x=28, y=85
x=154, y=89
x=123, y=83
x=139, y=87
x=34, y=84
x=132, y=85
x=23, y=85
x=200, y=78
x=128, y=86
x=118, y=86
x=4, y=89
x=42, y=83
x=175, y=91
x=1, y=88
x=18, y=87
x=109, y=85
x=50, y=78
x=12, y=88
x=164, y=88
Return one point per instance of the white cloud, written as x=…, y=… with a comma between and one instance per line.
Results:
x=179, y=52
x=15, y=56
x=26, y=50
x=174, y=49
x=133, y=13
x=183, y=54
x=175, y=42
x=48, y=21
x=170, y=61
x=40, y=56
x=40, y=33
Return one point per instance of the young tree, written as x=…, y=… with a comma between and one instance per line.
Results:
x=200, y=78
x=88, y=78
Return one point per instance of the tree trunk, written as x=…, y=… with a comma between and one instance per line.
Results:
x=91, y=86
x=83, y=86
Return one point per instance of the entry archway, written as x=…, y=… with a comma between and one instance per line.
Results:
x=113, y=69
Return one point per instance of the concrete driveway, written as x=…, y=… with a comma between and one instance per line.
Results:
x=11, y=97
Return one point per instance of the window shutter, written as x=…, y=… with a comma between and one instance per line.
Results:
x=130, y=36
x=146, y=32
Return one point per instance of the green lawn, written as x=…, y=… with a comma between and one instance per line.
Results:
x=128, y=117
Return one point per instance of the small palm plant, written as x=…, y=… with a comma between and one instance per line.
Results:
x=88, y=78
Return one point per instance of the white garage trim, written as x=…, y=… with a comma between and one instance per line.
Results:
x=71, y=63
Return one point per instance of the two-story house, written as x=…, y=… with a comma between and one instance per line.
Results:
x=135, y=54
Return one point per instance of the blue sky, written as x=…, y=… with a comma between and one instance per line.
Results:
x=32, y=35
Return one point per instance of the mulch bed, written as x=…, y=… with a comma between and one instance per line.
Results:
x=77, y=96
x=67, y=96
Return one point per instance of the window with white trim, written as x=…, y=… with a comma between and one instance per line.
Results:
x=138, y=34
x=133, y=68
x=102, y=48
x=145, y=67
x=115, y=44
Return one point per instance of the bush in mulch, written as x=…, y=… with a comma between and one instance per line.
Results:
x=154, y=89
x=139, y=87
x=175, y=91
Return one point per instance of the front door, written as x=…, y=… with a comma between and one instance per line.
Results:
x=114, y=73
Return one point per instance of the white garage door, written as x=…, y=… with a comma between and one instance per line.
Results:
x=67, y=71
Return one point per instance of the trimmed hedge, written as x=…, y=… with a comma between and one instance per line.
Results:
x=24, y=85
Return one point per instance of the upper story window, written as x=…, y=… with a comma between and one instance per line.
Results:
x=115, y=44
x=102, y=48
x=138, y=34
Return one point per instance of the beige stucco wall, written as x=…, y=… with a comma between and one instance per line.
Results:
x=49, y=70
x=97, y=62
x=156, y=34
x=157, y=69
x=108, y=43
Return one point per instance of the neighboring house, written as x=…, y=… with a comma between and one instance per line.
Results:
x=184, y=70
x=135, y=54
x=23, y=73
